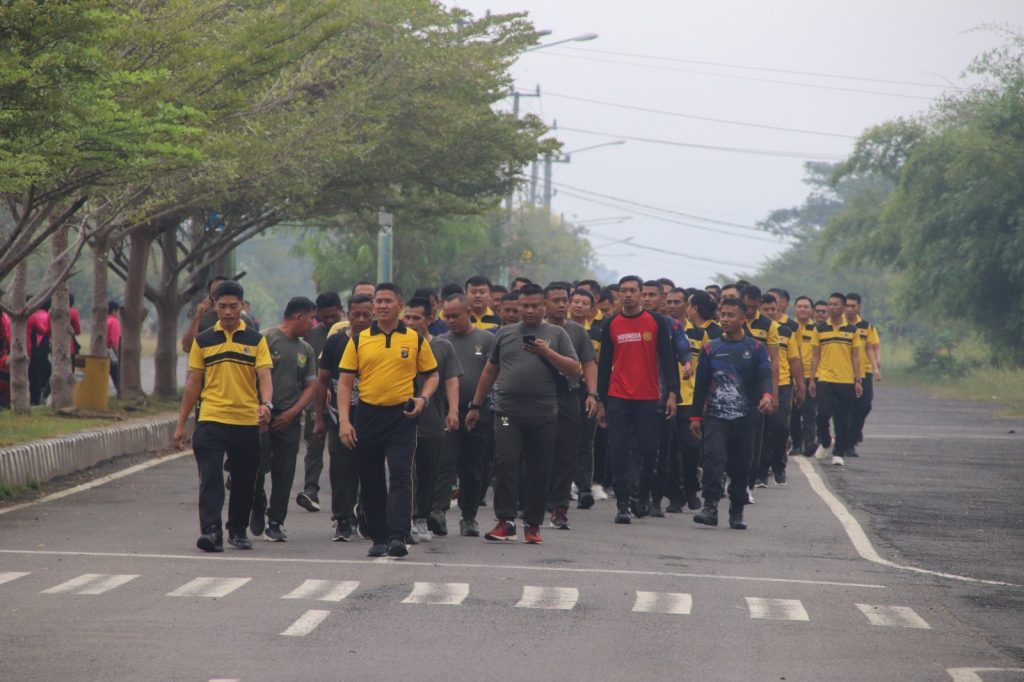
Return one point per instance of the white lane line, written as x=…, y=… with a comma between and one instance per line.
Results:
x=557, y=598
x=449, y=594
x=209, y=587
x=859, y=538
x=95, y=483
x=306, y=623
x=323, y=590
x=220, y=558
x=91, y=583
x=893, y=616
x=776, y=609
x=8, y=576
x=947, y=436
x=225, y=679
x=678, y=603
x=971, y=674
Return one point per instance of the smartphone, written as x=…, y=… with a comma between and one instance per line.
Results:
x=410, y=405
x=529, y=338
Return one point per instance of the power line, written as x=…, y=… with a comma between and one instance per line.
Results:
x=765, y=68
x=696, y=117
x=816, y=86
x=679, y=254
x=710, y=147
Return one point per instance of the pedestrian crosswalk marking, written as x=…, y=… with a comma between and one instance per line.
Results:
x=450, y=594
x=893, y=616
x=776, y=609
x=306, y=623
x=91, y=583
x=8, y=576
x=559, y=598
x=209, y=587
x=323, y=590
x=678, y=603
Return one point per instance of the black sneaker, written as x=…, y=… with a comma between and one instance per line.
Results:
x=586, y=501
x=693, y=503
x=623, y=517
x=674, y=508
x=275, y=533
x=342, y=531
x=397, y=549
x=736, y=521
x=641, y=509
x=780, y=478
x=707, y=516
x=257, y=520
x=308, y=501
x=437, y=523
x=211, y=541
x=378, y=550
x=852, y=452
x=656, y=512
x=239, y=540
x=761, y=482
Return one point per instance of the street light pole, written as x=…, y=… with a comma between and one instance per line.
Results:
x=385, y=222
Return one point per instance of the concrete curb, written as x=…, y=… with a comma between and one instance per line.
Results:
x=43, y=460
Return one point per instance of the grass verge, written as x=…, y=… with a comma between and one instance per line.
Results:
x=42, y=422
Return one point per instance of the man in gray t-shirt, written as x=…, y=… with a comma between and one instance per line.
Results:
x=464, y=449
x=531, y=358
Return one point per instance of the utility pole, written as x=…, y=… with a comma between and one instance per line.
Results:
x=515, y=114
x=533, y=183
x=385, y=221
x=548, y=160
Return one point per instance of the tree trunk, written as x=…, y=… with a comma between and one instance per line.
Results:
x=165, y=359
x=100, y=259
x=132, y=314
x=20, y=402
x=62, y=380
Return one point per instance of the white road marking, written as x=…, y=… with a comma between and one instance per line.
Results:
x=859, y=538
x=225, y=679
x=306, y=623
x=450, y=594
x=950, y=435
x=893, y=616
x=971, y=674
x=663, y=602
x=323, y=590
x=8, y=576
x=95, y=483
x=557, y=598
x=91, y=583
x=209, y=587
x=220, y=558
x=776, y=609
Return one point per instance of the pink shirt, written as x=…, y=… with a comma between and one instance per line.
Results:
x=113, y=332
x=37, y=327
x=5, y=331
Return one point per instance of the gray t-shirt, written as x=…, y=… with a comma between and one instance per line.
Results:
x=526, y=385
x=316, y=338
x=472, y=349
x=431, y=421
x=294, y=365
x=569, y=403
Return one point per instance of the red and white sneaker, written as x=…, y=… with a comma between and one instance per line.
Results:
x=560, y=519
x=532, y=536
x=504, y=530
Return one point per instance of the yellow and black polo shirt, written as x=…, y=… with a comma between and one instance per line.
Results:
x=764, y=329
x=387, y=364
x=836, y=345
x=806, y=335
x=228, y=362
x=594, y=328
x=713, y=329
x=788, y=349
x=787, y=321
x=869, y=336
x=486, y=321
x=697, y=336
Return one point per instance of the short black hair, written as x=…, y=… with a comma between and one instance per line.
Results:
x=769, y=298
x=328, y=299
x=607, y=294
x=716, y=287
x=451, y=288
x=705, y=304
x=298, y=304
x=653, y=283
x=820, y=302
x=421, y=302
x=499, y=289
x=779, y=292
x=591, y=284
x=531, y=289
x=459, y=297
x=583, y=291
x=804, y=298
x=510, y=296
x=751, y=291
x=213, y=280
x=478, y=281
x=666, y=281
x=679, y=290
x=424, y=292
x=743, y=283
x=613, y=287
x=836, y=294
x=112, y=306
x=228, y=288
x=524, y=280
x=392, y=287
x=361, y=283
x=733, y=301
x=558, y=286
x=359, y=298
x=631, y=278
x=854, y=297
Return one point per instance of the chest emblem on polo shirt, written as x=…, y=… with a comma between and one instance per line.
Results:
x=478, y=350
x=648, y=336
x=246, y=350
x=747, y=355
x=405, y=353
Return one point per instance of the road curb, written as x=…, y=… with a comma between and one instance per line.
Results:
x=43, y=460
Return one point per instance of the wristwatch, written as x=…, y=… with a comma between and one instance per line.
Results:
x=593, y=395
x=269, y=405
x=472, y=406
x=426, y=400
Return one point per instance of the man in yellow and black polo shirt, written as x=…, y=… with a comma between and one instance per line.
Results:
x=478, y=292
x=386, y=358
x=686, y=454
x=870, y=367
x=835, y=378
x=804, y=429
x=764, y=329
x=224, y=364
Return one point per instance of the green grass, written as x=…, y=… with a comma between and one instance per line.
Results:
x=42, y=422
x=9, y=491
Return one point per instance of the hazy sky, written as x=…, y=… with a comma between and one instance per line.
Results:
x=913, y=41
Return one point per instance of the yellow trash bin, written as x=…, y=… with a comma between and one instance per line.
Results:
x=92, y=378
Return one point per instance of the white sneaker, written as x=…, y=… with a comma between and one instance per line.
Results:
x=837, y=460
x=597, y=490
x=750, y=496
x=574, y=493
x=420, y=531
x=822, y=452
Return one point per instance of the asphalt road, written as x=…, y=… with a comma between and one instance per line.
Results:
x=106, y=584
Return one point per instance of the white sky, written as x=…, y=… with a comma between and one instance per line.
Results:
x=913, y=40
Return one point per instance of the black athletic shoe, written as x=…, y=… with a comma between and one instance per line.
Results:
x=275, y=533
x=852, y=452
x=586, y=501
x=239, y=540
x=397, y=549
x=308, y=501
x=378, y=550
x=707, y=516
x=780, y=478
x=211, y=541
x=736, y=521
x=674, y=508
x=656, y=512
x=623, y=517
x=342, y=531
x=693, y=503
x=641, y=509
x=257, y=518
